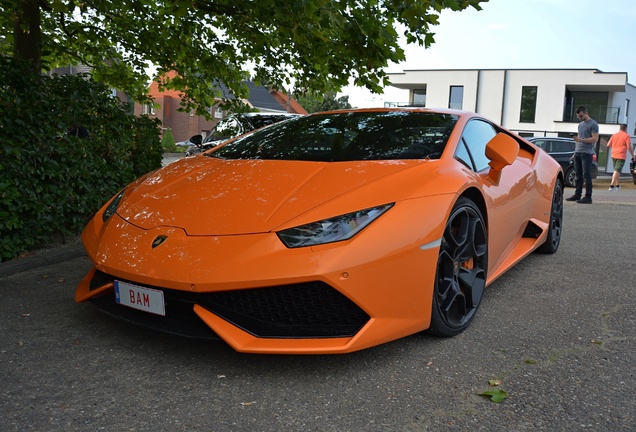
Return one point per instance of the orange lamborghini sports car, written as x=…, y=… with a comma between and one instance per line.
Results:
x=326, y=233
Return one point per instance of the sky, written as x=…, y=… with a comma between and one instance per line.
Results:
x=523, y=34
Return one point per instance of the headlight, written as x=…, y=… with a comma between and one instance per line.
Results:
x=112, y=207
x=331, y=230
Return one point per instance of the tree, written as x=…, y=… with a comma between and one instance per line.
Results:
x=314, y=44
x=314, y=102
x=167, y=142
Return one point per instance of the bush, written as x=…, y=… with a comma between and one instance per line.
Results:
x=52, y=182
x=167, y=142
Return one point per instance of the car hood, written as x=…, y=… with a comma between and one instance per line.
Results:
x=209, y=196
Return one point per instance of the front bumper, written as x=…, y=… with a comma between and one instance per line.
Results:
x=261, y=297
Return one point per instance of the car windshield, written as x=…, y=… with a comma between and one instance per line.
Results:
x=347, y=137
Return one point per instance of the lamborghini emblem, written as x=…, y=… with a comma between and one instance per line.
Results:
x=159, y=240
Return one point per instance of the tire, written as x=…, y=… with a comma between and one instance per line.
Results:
x=556, y=222
x=461, y=270
x=570, y=177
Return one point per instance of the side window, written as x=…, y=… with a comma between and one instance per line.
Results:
x=476, y=135
x=549, y=146
x=558, y=147
x=227, y=128
x=562, y=146
x=462, y=155
x=541, y=144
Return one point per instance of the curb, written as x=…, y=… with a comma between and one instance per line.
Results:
x=42, y=259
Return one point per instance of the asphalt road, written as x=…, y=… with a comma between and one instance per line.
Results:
x=557, y=331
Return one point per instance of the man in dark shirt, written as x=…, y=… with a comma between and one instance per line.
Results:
x=583, y=154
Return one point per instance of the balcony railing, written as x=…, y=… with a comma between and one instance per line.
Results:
x=400, y=104
x=601, y=113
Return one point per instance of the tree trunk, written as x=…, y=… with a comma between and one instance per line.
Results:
x=26, y=32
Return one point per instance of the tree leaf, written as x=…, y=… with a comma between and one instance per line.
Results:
x=495, y=395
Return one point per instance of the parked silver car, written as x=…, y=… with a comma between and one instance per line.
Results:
x=232, y=126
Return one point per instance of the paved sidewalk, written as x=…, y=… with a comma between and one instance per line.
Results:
x=603, y=195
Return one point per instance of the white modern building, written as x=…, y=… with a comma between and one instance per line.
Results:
x=531, y=102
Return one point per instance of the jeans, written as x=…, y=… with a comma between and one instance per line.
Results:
x=583, y=170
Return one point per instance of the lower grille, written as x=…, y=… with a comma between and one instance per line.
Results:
x=305, y=310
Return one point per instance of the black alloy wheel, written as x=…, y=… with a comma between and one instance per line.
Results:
x=570, y=177
x=461, y=270
x=555, y=228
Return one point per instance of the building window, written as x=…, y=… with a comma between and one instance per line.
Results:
x=148, y=109
x=528, y=104
x=456, y=97
x=419, y=97
x=218, y=113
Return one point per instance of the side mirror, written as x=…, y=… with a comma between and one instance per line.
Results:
x=502, y=150
x=196, y=140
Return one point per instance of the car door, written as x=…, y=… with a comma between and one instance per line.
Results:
x=508, y=201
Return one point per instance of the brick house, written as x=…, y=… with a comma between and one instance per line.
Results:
x=184, y=125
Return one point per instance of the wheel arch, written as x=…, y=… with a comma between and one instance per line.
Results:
x=476, y=196
x=458, y=291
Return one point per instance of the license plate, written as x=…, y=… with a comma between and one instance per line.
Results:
x=141, y=298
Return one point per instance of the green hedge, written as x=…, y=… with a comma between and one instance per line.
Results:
x=51, y=182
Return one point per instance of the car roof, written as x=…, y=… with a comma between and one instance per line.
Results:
x=258, y=114
x=550, y=138
x=405, y=109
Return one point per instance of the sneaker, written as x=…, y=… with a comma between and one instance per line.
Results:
x=585, y=200
x=574, y=198
x=618, y=187
x=612, y=188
